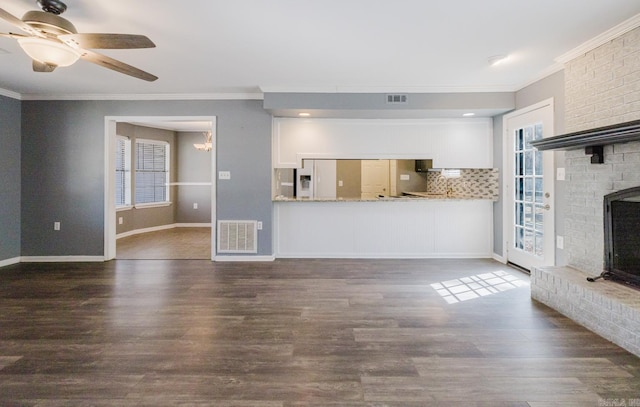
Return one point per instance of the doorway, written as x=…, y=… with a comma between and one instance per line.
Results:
x=163, y=122
x=529, y=188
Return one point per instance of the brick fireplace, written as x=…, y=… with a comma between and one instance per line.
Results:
x=602, y=88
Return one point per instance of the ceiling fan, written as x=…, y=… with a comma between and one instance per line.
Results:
x=52, y=41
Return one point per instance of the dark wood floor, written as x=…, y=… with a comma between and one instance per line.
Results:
x=348, y=333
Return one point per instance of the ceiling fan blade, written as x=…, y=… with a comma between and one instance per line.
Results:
x=5, y=15
x=107, y=41
x=12, y=35
x=116, y=65
x=42, y=67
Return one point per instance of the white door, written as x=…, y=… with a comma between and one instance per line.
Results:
x=374, y=178
x=529, y=188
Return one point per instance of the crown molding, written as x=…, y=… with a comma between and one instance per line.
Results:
x=163, y=96
x=10, y=94
x=389, y=89
x=605, y=37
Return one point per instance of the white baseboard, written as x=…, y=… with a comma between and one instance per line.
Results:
x=162, y=227
x=499, y=258
x=384, y=256
x=9, y=262
x=221, y=259
x=62, y=259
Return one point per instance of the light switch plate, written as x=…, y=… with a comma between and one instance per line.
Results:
x=404, y=177
x=224, y=174
x=560, y=242
x=560, y=174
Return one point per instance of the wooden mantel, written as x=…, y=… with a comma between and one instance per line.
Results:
x=592, y=140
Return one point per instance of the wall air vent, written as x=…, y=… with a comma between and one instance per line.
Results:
x=397, y=99
x=237, y=236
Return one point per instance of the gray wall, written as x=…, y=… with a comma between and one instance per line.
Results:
x=9, y=178
x=549, y=87
x=63, y=168
x=194, y=166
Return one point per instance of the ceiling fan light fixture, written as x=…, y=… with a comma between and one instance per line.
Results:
x=48, y=51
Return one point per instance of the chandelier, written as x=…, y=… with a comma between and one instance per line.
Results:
x=207, y=145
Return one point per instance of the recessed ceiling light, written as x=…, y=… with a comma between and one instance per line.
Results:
x=497, y=59
x=468, y=114
x=304, y=114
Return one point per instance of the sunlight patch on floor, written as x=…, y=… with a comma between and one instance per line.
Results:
x=481, y=285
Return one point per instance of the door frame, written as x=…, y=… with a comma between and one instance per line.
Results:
x=506, y=193
x=110, y=169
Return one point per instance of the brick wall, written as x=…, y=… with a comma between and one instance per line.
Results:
x=602, y=87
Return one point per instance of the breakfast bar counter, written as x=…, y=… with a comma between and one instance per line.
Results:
x=436, y=226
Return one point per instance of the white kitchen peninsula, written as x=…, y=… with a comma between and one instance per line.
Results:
x=386, y=228
x=394, y=226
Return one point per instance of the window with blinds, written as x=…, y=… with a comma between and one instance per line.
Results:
x=152, y=172
x=123, y=172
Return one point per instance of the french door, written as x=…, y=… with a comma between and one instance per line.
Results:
x=529, y=188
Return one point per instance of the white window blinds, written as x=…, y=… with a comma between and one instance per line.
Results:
x=152, y=172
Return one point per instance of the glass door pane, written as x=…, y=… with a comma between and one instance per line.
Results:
x=528, y=234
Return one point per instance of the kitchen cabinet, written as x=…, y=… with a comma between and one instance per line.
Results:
x=464, y=146
x=451, y=143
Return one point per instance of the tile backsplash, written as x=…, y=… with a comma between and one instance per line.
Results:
x=479, y=183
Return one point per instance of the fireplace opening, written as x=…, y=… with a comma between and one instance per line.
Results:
x=622, y=236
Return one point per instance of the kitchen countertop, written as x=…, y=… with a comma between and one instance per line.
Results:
x=407, y=196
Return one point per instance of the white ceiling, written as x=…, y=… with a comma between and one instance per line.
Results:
x=215, y=48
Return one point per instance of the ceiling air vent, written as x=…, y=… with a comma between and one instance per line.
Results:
x=397, y=99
